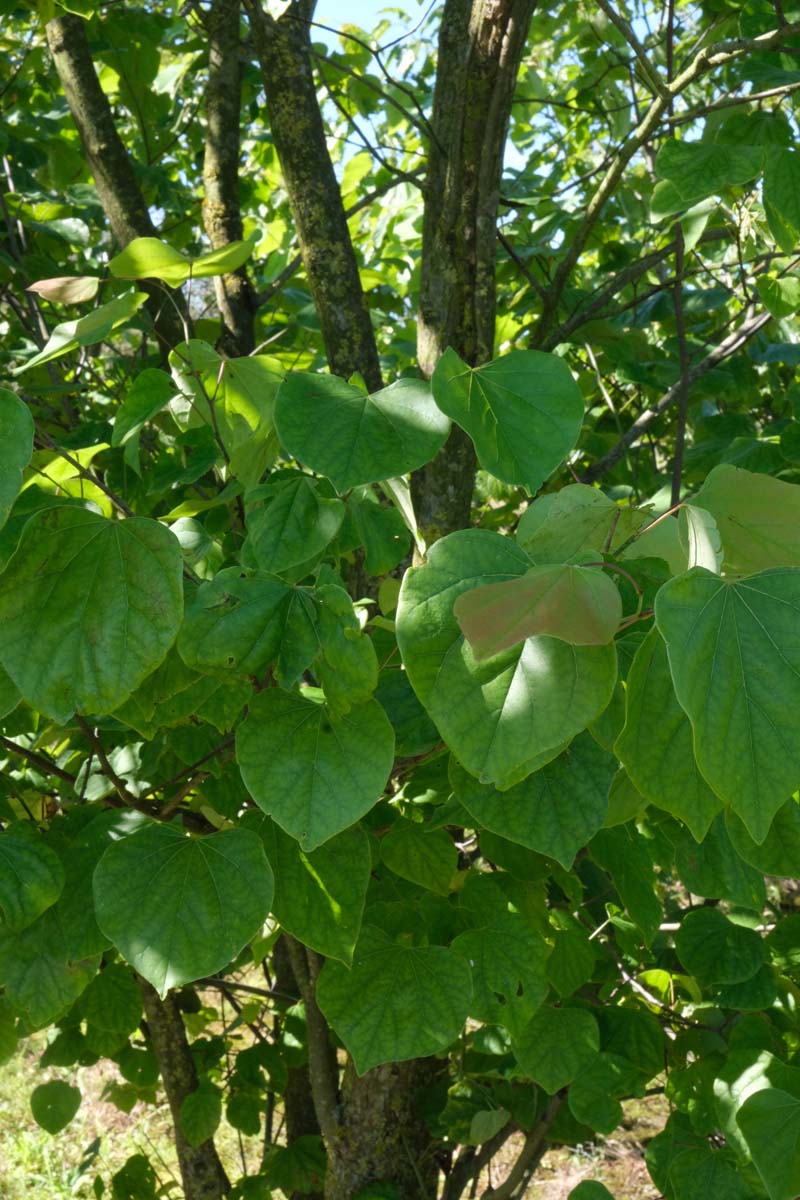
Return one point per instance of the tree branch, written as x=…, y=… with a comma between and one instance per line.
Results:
x=322, y=1066
x=533, y=1148
x=106, y=156
x=748, y=328
x=706, y=59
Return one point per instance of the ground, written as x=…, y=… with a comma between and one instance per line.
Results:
x=34, y=1163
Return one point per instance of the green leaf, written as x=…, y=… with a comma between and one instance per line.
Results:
x=398, y=1001
x=233, y=398
x=779, y=853
x=294, y=525
x=174, y=695
x=556, y=1045
x=577, y=518
x=112, y=1002
x=88, y=608
x=735, y=663
x=54, y=1104
x=31, y=878
x=381, y=530
x=238, y=620
x=16, y=447
x=313, y=772
x=87, y=331
x=594, y=1096
x=319, y=896
x=745, y=1072
x=136, y=1179
x=523, y=411
x=243, y=1112
x=297, y=1168
x=697, y=1174
x=337, y=430
x=151, y=391
x=758, y=518
x=200, y=1114
x=425, y=856
x=781, y=297
x=590, y=1189
x=348, y=670
x=655, y=745
x=699, y=169
x=715, y=950
x=37, y=971
x=700, y=538
x=714, y=869
x=576, y=605
x=770, y=1124
x=573, y=957
x=8, y=1032
x=150, y=258
x=500, y=715
x=625, y=855
x=781, y=191
x=556, y=810
x=180, y=908
x=508, y=960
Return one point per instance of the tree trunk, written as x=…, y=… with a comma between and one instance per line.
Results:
x=314, y=195
x=202, y=1172
x=382, y=1136
x=481, y=43
x=222, y=216
x=109, y=161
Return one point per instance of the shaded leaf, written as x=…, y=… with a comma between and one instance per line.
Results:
x=180, y=908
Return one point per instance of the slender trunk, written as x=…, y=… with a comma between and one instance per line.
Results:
x=202, y=1172
x=314, y=195
x=108, y=160
x=301, y=1116
x=481, y=43
x=236, y=299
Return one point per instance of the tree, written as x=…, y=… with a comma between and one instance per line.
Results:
x=400, y=582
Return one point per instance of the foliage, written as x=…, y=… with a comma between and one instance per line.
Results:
x=508, y=799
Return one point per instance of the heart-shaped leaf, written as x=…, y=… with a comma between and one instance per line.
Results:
x=179, y=908
x=523, y=411
x=338, y=430
x=88, y=608
x=314, y=772
x=735, y=662
x=575, y=604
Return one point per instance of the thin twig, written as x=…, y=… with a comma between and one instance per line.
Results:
x=42, y=761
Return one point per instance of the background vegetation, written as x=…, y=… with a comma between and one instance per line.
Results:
x=399, y=566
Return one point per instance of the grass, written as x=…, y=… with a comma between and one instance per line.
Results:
x=97, y=1142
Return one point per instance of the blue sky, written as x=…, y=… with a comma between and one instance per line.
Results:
x=367, y=13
